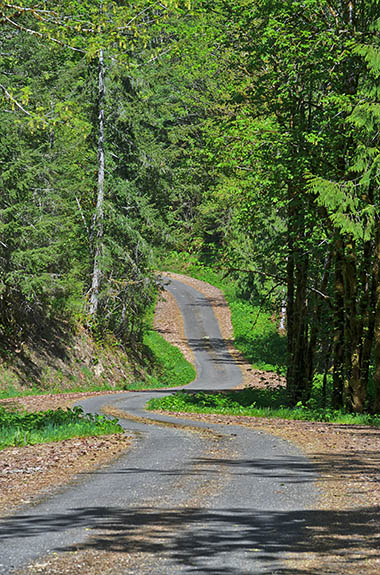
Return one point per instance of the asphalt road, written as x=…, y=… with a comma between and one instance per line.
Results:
x=208, y=499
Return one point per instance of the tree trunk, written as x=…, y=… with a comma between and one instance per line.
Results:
x=367, y=306
x=300, y=335
x=297, y=266
x=315, y=324
x=98, y=221
x=338, y=339
x=290, y=295
x=376, y=378
x=355, y=391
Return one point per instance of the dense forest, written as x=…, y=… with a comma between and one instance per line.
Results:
x=246, y=133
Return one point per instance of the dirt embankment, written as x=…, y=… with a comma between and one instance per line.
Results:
x=66, y=360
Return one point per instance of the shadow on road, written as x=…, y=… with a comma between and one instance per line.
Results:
x=288, y=470
x=216, y=348
x=199, y=539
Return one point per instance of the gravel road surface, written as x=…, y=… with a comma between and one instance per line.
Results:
x=187, y=498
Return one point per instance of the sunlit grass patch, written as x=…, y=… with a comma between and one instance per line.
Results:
x=28, y=428
x=269, y=403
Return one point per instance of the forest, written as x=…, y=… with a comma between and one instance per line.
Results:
x=244, y=134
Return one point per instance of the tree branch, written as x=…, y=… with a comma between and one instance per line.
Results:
x=40, y=35
x=12, y=99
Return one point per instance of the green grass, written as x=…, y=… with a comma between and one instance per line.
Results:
x=24, y=428
x=170, y=366
x=255, y=334
x=269, y=403
x=11, y=391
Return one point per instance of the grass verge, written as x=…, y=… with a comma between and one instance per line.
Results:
x=18, y=428
x=170, y=366
x=269, y=403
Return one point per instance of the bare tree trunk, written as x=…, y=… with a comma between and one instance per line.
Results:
x=297, y=268
x=282, y=326
x=98, y=221
x=300, y=328
x=368, y=309
x=290, y=270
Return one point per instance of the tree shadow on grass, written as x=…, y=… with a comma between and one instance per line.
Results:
x=221, y=541
x=266, y=397
x=267, y=349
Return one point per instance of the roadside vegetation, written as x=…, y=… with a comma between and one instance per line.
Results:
x=269, y=403
x=256, y=335
x=171, y=368
x=18, y=428
x=254, y=323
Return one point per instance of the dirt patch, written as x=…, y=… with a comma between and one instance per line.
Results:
x=30, y=473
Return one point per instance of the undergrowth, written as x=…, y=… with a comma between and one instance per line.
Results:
x=29, y=428
x=269, y=403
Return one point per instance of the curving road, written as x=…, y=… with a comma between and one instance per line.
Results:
x=187, y=499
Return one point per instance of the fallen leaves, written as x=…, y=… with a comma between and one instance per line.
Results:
x=28, y=472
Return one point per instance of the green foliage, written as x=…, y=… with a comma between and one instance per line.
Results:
x=270, y=403
x=343, y=208
x=261, y=157
x=28, y=428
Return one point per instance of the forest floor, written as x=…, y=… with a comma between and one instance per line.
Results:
x=345, y=522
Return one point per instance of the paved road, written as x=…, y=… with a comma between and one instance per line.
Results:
x=209, y=500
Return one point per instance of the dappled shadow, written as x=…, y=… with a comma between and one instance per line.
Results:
x=363, y=467
x=216, y=348
x=222, y=541
x=258, y=349
x=208, y=302
x=286, y=469
x=268, y=350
